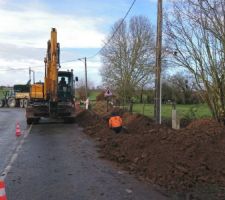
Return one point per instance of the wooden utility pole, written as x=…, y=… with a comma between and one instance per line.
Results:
x=33, y=75
x=85, y=72
x=157, y=108
x=86, y=86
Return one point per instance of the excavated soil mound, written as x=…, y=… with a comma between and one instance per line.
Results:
x=187, y=160
x=202, y=123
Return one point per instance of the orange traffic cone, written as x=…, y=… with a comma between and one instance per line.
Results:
x=18, y=132
x=2, y=191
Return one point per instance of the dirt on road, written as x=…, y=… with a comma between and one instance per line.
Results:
x=190, y=160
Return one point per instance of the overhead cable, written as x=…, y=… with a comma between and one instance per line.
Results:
x=109, y=40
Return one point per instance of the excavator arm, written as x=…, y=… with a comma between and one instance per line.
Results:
x=51, y=68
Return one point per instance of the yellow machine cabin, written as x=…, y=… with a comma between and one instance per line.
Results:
x=37, y=91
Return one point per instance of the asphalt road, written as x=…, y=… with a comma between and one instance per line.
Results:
x=8, y=140
x=58, y=161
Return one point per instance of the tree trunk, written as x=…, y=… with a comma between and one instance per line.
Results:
x=141, y=95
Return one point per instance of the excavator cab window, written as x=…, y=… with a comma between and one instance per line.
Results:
x=63, y=82
x=65, y=86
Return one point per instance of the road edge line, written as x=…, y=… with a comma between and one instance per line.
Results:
x=14, y=155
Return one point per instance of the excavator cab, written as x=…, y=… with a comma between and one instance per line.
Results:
x=65, y=86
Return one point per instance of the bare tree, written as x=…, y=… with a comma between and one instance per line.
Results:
x=80, y=88
x=196, y=31
x=183, y=86
x=128, y=58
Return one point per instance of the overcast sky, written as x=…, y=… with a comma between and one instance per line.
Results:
x=81, y=25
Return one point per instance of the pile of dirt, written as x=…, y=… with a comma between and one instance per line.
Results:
x=202, y=123
x=179, y=160
x=100, y=107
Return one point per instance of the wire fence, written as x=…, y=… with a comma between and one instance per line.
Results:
x=186, y=111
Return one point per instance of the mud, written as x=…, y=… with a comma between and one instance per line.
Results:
x=187, y=161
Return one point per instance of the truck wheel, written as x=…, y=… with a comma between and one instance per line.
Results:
x=25, y=103
x=2, y=103
x=12, y=102
x=21, y=103
x=29, y=121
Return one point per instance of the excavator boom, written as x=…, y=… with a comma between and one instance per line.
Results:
x=51, y=75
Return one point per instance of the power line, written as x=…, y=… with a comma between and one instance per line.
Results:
x=14, y=69
x=109, y=40
x=131, y=6
x=18, y=69
x=67, y=61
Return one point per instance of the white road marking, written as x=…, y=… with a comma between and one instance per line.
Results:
x=14, y=156
x=2, y=192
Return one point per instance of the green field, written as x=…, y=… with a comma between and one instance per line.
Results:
x=184, y=111
x=93, y=94
x=193, y=111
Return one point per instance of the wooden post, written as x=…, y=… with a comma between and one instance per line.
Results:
x=157, y=108
x=175, y=118
x=107, y=104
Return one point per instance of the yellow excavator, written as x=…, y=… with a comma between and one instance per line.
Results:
x=55, y=97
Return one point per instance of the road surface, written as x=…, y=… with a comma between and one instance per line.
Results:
x=8, y=141
x=58, y=161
